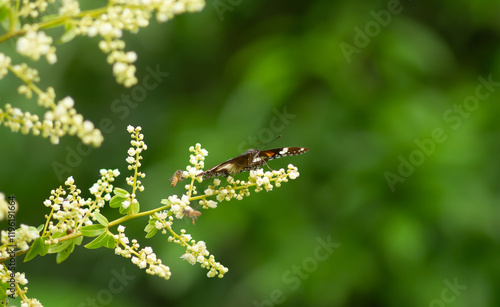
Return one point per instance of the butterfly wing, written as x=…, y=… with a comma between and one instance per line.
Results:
x=251, y=160
x=230, y=167
x=277, y=153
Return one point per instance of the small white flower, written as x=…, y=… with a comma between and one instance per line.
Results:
x=131, y=57
x=94, y=189
x=69, y=181
x=119, y=68
x=125, y=204
x=67, y=102
x=189, y=258
x=69, y=8
x=34, y=45
x=158, y=225
x=212, y=204
x=4, y=65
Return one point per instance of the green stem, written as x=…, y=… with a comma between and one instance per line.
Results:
x=129, y=217
x=14, y=18
x=54, y=22
x=47, y=223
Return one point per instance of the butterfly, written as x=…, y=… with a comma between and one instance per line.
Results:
x=251, y=160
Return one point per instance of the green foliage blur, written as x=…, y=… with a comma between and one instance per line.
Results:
x=397, y=101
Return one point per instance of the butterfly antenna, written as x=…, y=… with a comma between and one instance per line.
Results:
x=279, y=136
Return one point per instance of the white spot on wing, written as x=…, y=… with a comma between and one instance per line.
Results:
x=283, y=151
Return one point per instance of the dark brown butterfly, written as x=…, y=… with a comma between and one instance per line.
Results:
x=251, y=160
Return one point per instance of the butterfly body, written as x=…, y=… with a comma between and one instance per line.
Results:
x=250, y=160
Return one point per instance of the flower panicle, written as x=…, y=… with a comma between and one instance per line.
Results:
x=144, y=258
x=32, y=41
x=196, y=252
x=237, y=189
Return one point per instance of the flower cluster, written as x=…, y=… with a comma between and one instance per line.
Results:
x=23, y=235
x=35, y=44
x=197, y=252
x=162, y=221
x=126, y=15
x=71, y=211
x=4, y=65
x=107, y=22
x=102, y=188
x=237, y=189
x=197, y=159
x=134, y=156
x=68, y=211
x=179, y=206
x=134, y=160
x=142, y=258
x=69, y=8
x=59, y=121
x=4, y=207
x=19, y=279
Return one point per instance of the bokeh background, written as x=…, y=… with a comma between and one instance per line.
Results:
x=427, y=236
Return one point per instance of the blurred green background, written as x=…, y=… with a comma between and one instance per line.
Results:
x=427, y=236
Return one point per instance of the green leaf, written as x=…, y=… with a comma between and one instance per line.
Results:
x=97, y=242
x=35, y=249
x=3, y=290
x=165, y=201
x=93, y=230
x=68, y=35
x=44, y=248
x=125, y=211
x=101, y=219
x=58, y=235
x=151, y=233
x=59, y=246
x=149, y=227
x=152, y=220
x=47, y=17
x=110, y=243
x=4, y=14
x=116, y=201
x=105, y=239
x=135, y=208
x=79, y=240
x=120, y=192
x=40, y=228
x=64, y=254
